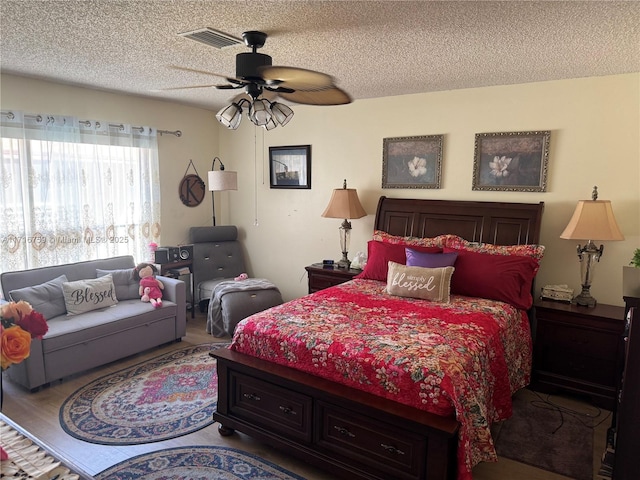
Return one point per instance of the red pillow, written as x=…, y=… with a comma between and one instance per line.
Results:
x=380, y=254
x=507, y=278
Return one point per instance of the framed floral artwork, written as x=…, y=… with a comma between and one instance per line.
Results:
x=511, y=161
x=412, y=162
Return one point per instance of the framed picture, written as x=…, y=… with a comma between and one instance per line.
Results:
x=290, y=167
x=511, y=161
x=412, y=162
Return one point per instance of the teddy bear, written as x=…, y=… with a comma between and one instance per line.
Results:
x=150, y=287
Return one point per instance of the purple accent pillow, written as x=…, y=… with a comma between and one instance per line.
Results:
x=430, y=260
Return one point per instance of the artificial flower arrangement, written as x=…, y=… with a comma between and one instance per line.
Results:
x=20, y=323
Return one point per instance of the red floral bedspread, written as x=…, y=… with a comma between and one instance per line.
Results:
x=467, y=357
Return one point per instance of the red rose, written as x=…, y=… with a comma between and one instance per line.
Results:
x=34, y=323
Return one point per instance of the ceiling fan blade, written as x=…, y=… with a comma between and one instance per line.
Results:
x=278, y=89
x=229, y=87
x=237, y=81
x=185, y=88
x=193, y=70
x=326, y=96
x=296, y=78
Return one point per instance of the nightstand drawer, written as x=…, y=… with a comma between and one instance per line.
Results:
x=321, y=278
x=583, y=367
x=320, y=281
x=378, y=447
x=578, y=341
x=282, y=410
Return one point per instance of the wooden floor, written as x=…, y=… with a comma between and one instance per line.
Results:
x=38, y=414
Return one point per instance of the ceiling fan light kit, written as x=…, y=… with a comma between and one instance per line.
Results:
x=262, y=113
x=257, y=76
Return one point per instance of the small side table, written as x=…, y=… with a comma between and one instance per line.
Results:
x=165, y=269
x=576, y=349
x=321, y=277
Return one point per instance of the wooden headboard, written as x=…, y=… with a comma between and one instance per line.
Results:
x=499, y=223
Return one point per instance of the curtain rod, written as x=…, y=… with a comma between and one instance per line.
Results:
x=87, y=123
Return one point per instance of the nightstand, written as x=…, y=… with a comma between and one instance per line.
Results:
x=321, y=277
x=576, y=349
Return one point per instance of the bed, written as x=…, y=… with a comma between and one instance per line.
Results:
x=331, y=378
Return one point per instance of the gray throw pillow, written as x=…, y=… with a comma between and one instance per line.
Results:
x=126, y=287
x=46, y=298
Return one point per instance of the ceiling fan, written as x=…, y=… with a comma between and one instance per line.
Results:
x=256, y=75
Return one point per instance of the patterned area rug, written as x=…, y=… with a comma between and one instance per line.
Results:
x=201, y=463
x=165, y=397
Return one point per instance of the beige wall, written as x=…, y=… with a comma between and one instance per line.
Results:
x=595, y=141
x=595, y=124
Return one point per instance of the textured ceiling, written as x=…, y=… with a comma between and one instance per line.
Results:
x=372, y=48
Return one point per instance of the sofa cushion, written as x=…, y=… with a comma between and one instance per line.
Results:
x=64, y=332
x=127, y=288
x=46, y=298
x=91, y=294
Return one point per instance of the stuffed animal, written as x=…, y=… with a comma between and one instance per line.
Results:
x=150, y=287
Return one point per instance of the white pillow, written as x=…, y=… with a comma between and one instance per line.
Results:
x=90, y=294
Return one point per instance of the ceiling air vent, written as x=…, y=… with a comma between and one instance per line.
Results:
x=212, y=37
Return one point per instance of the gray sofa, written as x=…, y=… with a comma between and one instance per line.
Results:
x=85, y=340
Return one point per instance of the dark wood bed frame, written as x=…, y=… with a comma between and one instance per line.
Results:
x=345, y=431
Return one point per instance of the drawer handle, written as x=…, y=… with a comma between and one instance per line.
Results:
x=287, y=410
x=391, y=449
x=251, y=396
x=344, y=432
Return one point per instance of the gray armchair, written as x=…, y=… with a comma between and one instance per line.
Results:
x=217, y=260
x=217, y=256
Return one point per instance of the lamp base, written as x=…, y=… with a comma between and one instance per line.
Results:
x=344, y=264
x=585, y=299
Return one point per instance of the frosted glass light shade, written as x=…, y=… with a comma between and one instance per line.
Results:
x=259, y=112
x=281, y=112
x=230, y=116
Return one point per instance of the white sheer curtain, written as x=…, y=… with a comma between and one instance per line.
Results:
x=75, y=190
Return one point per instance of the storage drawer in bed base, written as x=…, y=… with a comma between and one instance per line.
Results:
x=389, y=440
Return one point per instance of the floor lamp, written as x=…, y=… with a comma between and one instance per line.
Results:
x=220, y=180
x=345, y=204
x=592, y=220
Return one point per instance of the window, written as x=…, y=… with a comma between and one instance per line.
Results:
x=76, y=190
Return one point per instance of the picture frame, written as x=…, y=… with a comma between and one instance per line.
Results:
x=412, y=162
x=511, y=161
x=290, y=167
